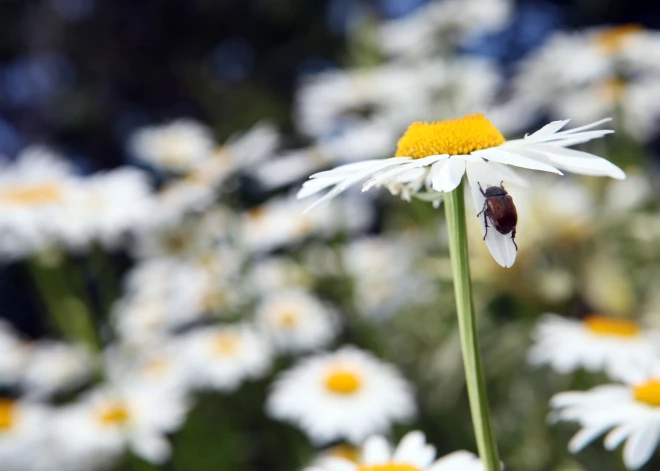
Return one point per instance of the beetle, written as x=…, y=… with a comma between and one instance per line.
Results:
x=500, y=210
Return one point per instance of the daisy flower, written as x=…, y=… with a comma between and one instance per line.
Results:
x=126, y=413
x=596, y=343
x=176, y=147
x=223, y=357
x=23, y=429
x=630, y=412
x=411, y=454
x=348, y=394
x=297, y=321
x=433, y=157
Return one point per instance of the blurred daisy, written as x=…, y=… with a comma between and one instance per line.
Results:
x=442, y=23
x=23, y=429
x=34, y=192
x=282, y=221
x=176, y=147
x=14, y=355
x=604, y=71
x=297, y=321
x=55, y=366
x=434, y=157
x=128, y=413
x=596, y=343
x=348, y=394
x=222, y=358
x=630, y=412
x=411, y=454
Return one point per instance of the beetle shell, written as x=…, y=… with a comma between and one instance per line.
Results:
x=500, y=210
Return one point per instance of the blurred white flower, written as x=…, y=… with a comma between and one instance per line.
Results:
x=411, y=454
x=55, y=366
x=127, y=413
x=434, y=157
x=176, y=146
x=221, y=358
x=597, y=343
x=442, y=24
x=596, y=72
x=630, y=412
x=276, y=273
x=382, y=269
x=24, y=428
x=282, y=221
x=348, y=394
x=34, y=192
x=14, y=355
x=297, y=321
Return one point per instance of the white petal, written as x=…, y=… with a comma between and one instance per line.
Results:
x=509, y=175
x=580, y=162
x=376, y=450
x=390, y=174
x=617, y=435
x=583, y=128
x=349, y=169
x=547, y=130
x=409, y=447
x=501, y=247
x=511, y=157
x=586, y=436
x=449, y=176
x=151, y=447
x=640, y=446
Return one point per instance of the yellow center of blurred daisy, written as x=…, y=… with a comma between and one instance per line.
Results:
x=226, y=343
x=287, y=319
x=612, y=40
x=114, y=414
x=612, y=327
x=347, y=452
x=342, y=381
x=454, y=137
x=648, y=393
x=7, y=413
x=389, y=467
x=32, y=195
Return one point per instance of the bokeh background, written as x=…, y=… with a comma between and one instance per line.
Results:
x=83, y=77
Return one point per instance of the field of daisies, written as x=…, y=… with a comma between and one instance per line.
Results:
x=283, y=299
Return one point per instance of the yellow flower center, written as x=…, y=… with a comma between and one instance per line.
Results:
x=287, y=319
x=612, y=89
x=612, y=40
x=226, y=343
x=648, y=393
x=7, y=414
x=114, y=414
x=342, y=381
x=610, y=327
x=347, y=452
x=454, y=137
x=389, y=467
x=32, y=195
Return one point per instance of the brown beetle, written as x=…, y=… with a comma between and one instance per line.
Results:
x=500, y=210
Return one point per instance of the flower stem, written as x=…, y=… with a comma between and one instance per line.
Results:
x=474, y=377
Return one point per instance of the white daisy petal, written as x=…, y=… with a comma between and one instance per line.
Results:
x=509, y=175
x=547, y=130
x=640, y=446
x=586, y=436
x=617, y=435
x=409, y=447
x=581, y=161
x=511, y=157
x=376, y=450
x=449, y=176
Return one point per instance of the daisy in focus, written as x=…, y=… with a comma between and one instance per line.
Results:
x=629, y=412
x=431, y=158
x=411, y=454
x=596, y=343
x=348, y=394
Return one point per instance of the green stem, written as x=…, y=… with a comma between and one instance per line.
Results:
x=474, y=377
x=69, y=314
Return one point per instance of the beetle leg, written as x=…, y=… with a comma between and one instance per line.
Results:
x=486, y=223
x=484, y=209
x=513, y=239
x=481, y=189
